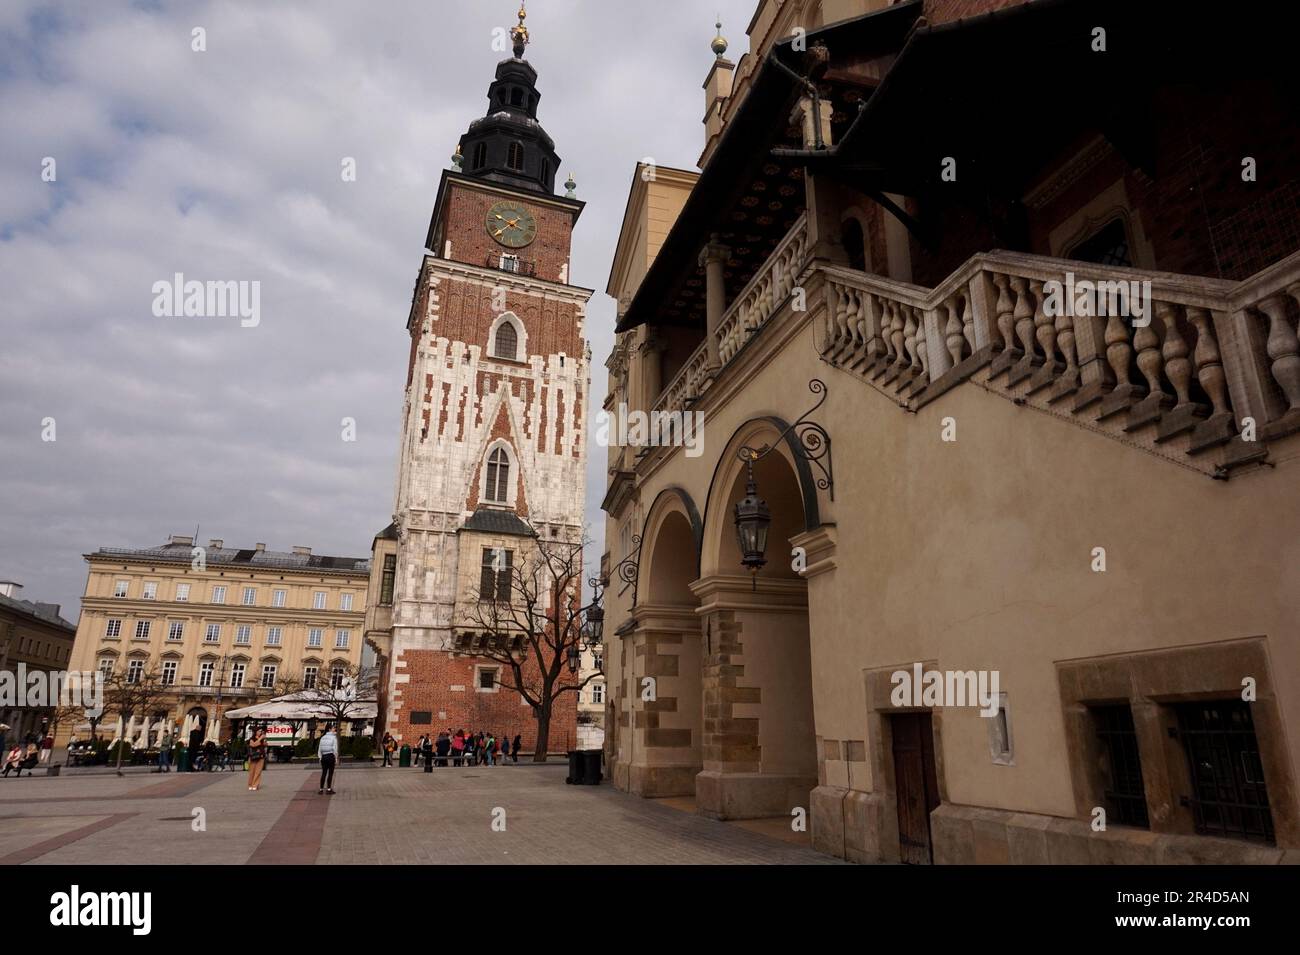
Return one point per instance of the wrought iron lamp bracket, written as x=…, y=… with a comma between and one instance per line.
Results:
x=812, y=444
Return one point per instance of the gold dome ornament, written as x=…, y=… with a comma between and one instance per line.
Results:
x=719, y=44
x=570, y=188
x=519, y=33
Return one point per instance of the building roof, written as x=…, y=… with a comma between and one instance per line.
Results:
x=41, y=612
x=238, y=556
x=493, y=520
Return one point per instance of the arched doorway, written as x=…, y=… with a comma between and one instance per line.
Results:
x=760, y=743
x=660, y=749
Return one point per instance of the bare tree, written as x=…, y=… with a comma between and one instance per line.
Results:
x=341, y=695
x=129, y=693
x=531, y=619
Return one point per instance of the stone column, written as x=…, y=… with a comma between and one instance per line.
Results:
x=652, y=350
x=712, y=257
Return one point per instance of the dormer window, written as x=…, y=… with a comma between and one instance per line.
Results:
x=515, y=157
x=516, y=97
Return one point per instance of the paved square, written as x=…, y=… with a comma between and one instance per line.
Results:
x=378, y=816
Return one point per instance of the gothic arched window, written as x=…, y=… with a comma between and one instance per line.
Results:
x=498, y=474
x=515, y=157
x=506, y=342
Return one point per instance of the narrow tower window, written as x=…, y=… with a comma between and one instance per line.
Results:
x=516, y=157
x=480, y=155
x=498, y=473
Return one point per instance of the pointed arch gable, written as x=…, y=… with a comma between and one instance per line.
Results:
x=503, y=434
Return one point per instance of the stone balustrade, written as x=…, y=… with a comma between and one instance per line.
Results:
x=688, y=384
x=1185, y=364
x=754, y=306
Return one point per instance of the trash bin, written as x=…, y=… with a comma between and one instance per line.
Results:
x=589, y=763
x=575, y=771
x=404, y=755
x=183, y=760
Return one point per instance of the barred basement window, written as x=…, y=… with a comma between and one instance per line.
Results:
x=1124, y=793
x=1229, y=797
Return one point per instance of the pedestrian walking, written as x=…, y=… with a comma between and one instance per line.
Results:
x=443, y=747
x=516, y=746
x=389, y=746
x=457, y=747
x=165, y=753
x=329, y=754
x=256, y=758
x=47, y=747
x=426, y=750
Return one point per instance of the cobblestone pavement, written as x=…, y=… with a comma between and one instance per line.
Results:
x=378, y=816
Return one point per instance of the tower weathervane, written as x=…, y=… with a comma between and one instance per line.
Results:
x=519, y=32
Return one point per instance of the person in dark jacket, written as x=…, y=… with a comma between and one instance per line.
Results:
x=444, y=746
x=515, y=747
x=426, y=750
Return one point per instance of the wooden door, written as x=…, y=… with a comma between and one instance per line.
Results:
x=915, y=783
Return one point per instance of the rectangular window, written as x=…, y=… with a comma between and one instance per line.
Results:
x=487, y=678
x=494, y=575
x=336, y=677
x=134, y=671
x=1229, y=797
x=114, y=629
x=268, y=676
x=214, y=633
x=309, y=677
x=598, y=693
x=237, y=674
x=142, y=629
x=273, y=636
x=218, y=595
x=182, y=593
x=244, y=634
x=169, y=672
x=387, y=580
x=318, y=600
x=106, y=667
x=176, y=630
x=250, y=596
x=205, y=673
x=341, y=638
x=277, y=598
x=150, y=591
x=120, y=588
x=600, y=662
x=345, y=601
x=1123, y=791
x=315, y=637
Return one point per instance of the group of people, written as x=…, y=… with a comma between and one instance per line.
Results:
x=22, y=757
x=461, y=748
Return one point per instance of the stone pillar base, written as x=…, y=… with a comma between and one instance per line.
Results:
x=653, y=781
x=750, y=795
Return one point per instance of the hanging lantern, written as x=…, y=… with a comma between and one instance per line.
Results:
x=752, y=522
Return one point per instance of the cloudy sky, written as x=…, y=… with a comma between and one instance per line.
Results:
x=225, y=164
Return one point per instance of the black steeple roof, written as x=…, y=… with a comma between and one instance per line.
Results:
x=509, y=145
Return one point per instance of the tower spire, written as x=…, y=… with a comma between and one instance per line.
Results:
x=519, y=32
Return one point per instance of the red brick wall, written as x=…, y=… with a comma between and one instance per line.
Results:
x=432, y=672
x=465, y=225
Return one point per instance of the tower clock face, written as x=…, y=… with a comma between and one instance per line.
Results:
x=511, y=224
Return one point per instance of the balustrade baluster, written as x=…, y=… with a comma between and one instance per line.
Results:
x=1283, y=349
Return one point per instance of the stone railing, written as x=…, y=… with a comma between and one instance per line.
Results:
x=1181, y=363
x=687, y=384
x=750, y=310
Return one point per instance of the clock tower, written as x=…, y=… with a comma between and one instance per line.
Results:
x=493, y=441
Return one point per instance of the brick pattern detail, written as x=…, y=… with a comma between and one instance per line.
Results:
x=433, y=674
x=727, y=739
x=657, y=664
x=466, y=226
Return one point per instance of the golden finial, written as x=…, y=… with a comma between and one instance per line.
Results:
x=519, y=32
x=719, y=44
